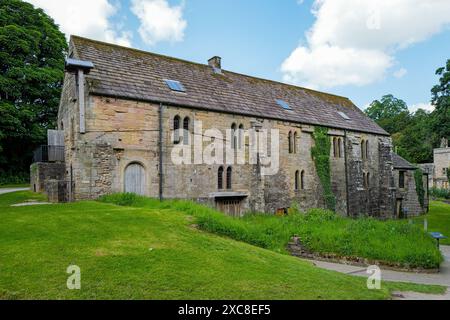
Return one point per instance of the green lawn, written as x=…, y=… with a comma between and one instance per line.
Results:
x=151, y=253
x=438, y=219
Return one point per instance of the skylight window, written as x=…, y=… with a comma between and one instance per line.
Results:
x=284, y=104
x=175, y=85
x=343, y=115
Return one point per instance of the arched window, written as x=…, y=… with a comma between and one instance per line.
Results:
x=295, y=141
x=339, y=142
x=241, y=136
x=335, y=152
x=367, y=149
x=297, y=176
x=233, y=136
x=220, y=178
x=186, y=133
x=229, y=174
x=368, y=180
x=363, y=149
x=302, y=180
x=290, y=141
x=176, y=129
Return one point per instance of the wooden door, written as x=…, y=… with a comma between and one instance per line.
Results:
x=135, y=179
x=231, y=207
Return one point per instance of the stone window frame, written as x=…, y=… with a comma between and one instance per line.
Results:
x=176, y=129
x=363, y=149
x=233, y=136
x=302, y=180
x=290, y=147
x=401, y=179
x=296, y=180
x=220, y=178
x=295, y=142
x=241, y=136
x=229, y=180
x=186, y=130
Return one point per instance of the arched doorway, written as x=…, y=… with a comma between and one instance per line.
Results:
x=135, y=179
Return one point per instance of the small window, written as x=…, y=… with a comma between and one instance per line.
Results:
x=186, y=133
x=302, y=180
x=363, y=148
x=176, y=129
x=401, y=179
x=283, y=104
x=297, y=178
x=290, y=141
x=229, y=176
x=241, y=136
x=343, y=115
x=233, y=136
x=295, y=142
x=367, y=149
x=368, y=180
x=220, y=178
x=175, y=85
x=335, y=152
x=339, y=147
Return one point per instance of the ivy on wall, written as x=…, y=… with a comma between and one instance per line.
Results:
x=418, y=177
x=321, y=156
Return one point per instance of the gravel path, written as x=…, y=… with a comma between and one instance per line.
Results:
x=9, y=190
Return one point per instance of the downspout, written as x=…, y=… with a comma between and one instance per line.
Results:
x=346, y=174
x=160, y=143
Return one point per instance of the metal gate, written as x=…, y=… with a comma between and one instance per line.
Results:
x=135, y=179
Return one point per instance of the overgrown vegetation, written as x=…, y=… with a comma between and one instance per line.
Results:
x=420, y=190
x=321, y=155
x=440, y=193
x=321, y=231
x=152, y=253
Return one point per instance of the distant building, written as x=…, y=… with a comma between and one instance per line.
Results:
x=437, y=171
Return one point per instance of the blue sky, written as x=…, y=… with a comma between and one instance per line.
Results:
x=355, y=48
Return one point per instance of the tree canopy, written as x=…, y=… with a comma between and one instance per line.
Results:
x=416, y=134
x=32, y=51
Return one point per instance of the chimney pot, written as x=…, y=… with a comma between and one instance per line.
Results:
x=215, y=63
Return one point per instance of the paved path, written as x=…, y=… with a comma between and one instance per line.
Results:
x=9, y=190
x=442, y=278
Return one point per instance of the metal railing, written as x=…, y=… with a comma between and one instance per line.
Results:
x=49, y=154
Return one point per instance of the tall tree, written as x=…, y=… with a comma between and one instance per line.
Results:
x=390, y=113
x=441, y=100
x=32, y=51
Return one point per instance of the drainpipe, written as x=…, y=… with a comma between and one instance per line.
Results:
x=161, y=174
x=346, y=174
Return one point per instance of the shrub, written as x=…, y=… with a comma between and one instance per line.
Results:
x=321, y=231
x=440, y=193
x=14, y=178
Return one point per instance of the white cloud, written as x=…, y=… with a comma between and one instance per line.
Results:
x=353, y=42
x=159, y=21
x=88, y=18
x=400, y=73
x=425, y=106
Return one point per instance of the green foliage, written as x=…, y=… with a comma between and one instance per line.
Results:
x=440, y=193
x=32, y=53
x=390, y=113
x=13, y=178
x=441, y=100
x=321, y=155
x=322, y=231
x=152, y=253
x=418, y=177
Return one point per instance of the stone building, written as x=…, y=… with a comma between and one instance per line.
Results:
x=437, y=171
x=121, y=108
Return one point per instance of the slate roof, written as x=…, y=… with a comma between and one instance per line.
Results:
x=400, y=163
x=129, y=73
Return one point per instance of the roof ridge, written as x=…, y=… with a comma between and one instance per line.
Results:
x=205, y=65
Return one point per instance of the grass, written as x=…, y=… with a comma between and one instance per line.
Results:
x=438, y=219
x=392, y=242
x=151, y=252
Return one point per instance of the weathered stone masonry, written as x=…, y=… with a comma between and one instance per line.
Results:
x=122, y=121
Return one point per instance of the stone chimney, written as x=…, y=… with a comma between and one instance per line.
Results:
x=216, y=64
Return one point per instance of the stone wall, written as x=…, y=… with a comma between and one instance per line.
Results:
x=40, y=172
x=121, y=132
x=408, y=195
